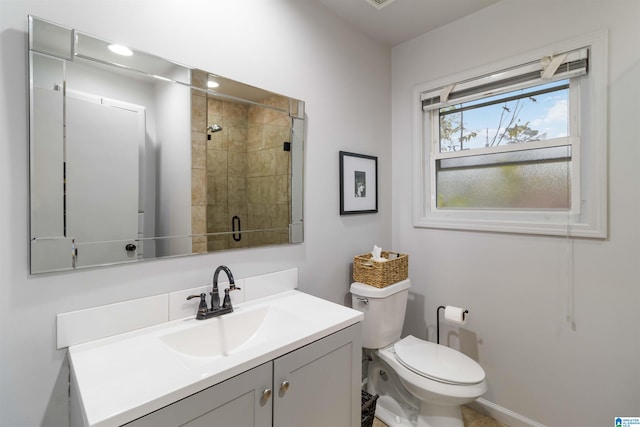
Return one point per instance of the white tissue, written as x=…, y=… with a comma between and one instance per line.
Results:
x=455, y=314
x=376, y=254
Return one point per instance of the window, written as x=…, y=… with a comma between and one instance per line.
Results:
x=521, y=148
x=526, y=146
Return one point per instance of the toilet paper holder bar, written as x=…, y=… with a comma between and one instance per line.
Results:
x=438, y=321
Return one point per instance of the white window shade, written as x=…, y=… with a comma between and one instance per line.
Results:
x=549, y=68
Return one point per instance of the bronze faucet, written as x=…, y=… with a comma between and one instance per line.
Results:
x=216, y=310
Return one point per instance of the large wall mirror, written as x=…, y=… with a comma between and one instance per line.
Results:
x=134, y=157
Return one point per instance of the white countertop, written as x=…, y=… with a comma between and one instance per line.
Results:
x=124, y=377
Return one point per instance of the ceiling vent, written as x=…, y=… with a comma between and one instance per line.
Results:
x=379, y=4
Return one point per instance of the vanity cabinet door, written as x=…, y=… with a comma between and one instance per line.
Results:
x=236, y=402
x=319, y=384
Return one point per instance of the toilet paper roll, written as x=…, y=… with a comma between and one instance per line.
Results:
x=455, y=314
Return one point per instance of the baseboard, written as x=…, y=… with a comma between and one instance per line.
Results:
x=502, y=415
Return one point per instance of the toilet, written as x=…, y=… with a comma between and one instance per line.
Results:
x=419, y=383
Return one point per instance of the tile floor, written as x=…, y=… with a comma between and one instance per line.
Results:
x=471, y=419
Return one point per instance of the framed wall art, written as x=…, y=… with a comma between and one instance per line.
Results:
x=358, y=183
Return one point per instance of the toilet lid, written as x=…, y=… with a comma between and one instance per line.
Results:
x=437, y=362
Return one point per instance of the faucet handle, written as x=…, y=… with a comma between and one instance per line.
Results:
x=202, y=307
x=226, y=303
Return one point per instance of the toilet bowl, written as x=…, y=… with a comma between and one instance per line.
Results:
x=420, y=383
x=441, y=382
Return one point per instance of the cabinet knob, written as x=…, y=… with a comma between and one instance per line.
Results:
x=284, y=386
x=266, y=395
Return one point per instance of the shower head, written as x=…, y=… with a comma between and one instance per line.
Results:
x=214, y=128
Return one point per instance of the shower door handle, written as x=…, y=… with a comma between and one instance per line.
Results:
x=236, y=236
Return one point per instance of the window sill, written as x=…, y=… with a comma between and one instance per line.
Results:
x=555, y=224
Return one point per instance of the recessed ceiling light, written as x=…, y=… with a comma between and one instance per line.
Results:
x=211, y=84
x=120, y=50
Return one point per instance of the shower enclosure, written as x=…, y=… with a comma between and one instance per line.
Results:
x=241, y=172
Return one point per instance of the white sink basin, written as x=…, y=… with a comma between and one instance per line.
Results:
x=124, y=377
x=220, y=336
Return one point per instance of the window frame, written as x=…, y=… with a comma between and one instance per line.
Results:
x=588, y=214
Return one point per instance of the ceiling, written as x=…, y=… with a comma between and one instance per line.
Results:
x=401, y=20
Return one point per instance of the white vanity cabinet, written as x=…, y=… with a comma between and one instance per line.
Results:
x=315, y=385
x=319, y=384
x=234, y=402
x=305, y=350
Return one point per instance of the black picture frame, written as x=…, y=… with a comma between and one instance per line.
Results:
x=358, y=183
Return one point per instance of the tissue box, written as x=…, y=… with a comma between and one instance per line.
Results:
x=380, y=273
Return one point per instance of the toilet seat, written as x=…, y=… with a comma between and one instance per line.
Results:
x=437, y=362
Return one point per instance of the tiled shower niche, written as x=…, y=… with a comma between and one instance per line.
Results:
x=241, y=174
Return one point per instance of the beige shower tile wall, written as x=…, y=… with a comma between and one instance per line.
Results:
x=216, y=176
x=226, y=172
x=240, y=171
x=198, y=168
x=268, y=169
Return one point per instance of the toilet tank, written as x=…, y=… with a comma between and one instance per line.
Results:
x=383, y=310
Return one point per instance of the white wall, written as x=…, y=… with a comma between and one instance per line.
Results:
x=286, y=46
x=173, y=161
x=516, y=287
